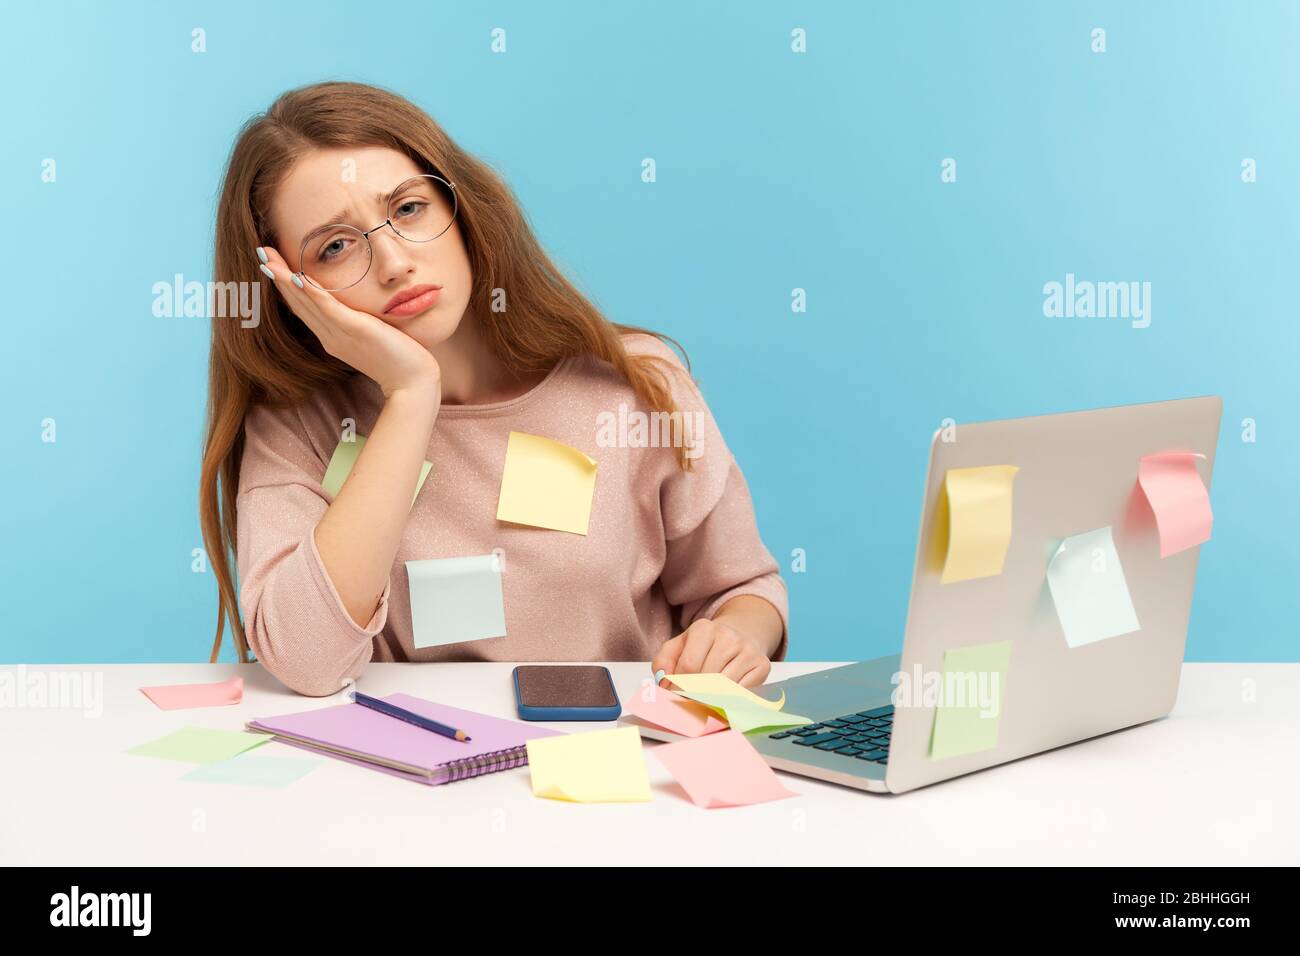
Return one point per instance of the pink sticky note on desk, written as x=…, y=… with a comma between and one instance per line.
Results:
x=672, y=711
x=183, y=696
x=721, y=770
x=1178, y=497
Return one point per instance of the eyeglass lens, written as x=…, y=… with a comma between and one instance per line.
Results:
x=338, y=256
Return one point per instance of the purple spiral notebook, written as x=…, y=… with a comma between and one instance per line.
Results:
x=370, y=739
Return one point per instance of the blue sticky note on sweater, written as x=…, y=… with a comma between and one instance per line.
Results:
x=456, y=599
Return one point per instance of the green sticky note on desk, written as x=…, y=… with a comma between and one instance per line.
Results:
x=970, y=700
x=200, y=745
x=345, y=457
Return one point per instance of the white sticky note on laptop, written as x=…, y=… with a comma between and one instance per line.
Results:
x=456, y=599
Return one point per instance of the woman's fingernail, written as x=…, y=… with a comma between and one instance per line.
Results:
x=262, y=255
x=269, y=274
x=297, y=281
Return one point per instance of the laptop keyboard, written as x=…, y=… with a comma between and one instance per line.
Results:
x=859, y=736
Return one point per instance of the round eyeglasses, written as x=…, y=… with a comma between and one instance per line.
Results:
x=338, y=256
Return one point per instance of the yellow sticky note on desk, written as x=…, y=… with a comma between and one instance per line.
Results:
x=546, y=484
x=601, y=766
x=975, y=521
x=345, y=456
x=970, y=699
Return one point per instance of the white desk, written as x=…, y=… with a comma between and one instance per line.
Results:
x=1218, y=782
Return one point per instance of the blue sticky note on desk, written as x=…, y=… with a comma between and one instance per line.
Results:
x=456, y=599
x=255, y=771
x=1088, y=588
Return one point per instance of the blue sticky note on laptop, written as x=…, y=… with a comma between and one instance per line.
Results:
x=456, y=599
x=1088, y=587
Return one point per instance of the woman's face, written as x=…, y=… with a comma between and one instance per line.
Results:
x=357, y=183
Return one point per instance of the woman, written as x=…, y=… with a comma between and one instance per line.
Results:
x=436, y=334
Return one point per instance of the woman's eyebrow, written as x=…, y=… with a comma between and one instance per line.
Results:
x=342, y=214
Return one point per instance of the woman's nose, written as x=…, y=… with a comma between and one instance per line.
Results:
x=392, y=253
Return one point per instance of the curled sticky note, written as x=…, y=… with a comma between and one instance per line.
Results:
x=661, y=707
x=546, y=484
x=695, y=684
x=1088, y=588
x=744, y=710
x=600, y=766
x=973, y=526
x=1178, y=498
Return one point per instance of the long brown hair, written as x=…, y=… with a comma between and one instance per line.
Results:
x=279, y=361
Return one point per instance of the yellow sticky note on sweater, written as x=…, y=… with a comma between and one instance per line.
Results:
x=345, y=456
x=600, y=766
x=977, y=506
x=546, y=484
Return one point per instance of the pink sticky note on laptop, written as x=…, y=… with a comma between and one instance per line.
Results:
x=184, y=696
x=721, y=770
x=671, y=711
x=1178, y=497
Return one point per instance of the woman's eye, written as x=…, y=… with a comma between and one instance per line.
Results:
x=331, y=250
x=410, y=208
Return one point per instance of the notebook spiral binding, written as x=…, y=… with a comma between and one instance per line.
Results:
x=486, y=763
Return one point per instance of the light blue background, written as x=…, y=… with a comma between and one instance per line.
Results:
x=775, y=171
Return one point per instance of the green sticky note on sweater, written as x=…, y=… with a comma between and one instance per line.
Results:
x=970, y=700
x=345, y=456
x=200, y=745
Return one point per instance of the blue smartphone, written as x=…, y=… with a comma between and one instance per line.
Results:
x=565, y=692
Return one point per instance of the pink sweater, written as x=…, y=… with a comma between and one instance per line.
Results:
x=663, y=547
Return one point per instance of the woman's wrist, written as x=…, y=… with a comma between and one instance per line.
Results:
x=755, y=619
x=416, y=398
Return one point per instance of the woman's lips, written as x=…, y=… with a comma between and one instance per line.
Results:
x=423, y=301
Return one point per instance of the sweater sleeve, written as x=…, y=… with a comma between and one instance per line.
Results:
x=295, y=620
x=713, y=549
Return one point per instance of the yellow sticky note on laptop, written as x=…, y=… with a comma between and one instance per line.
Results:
x=970, y=700
x=975, y=521
x=601, y=766
x=345, y=456
x=546, y=484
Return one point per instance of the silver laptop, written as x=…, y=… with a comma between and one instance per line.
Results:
x=1077, y=472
